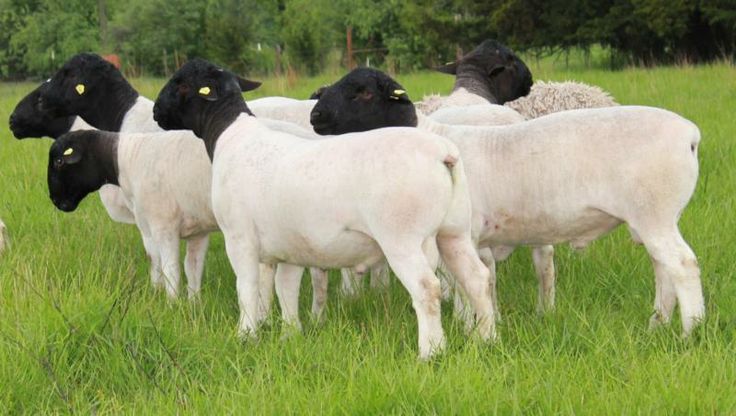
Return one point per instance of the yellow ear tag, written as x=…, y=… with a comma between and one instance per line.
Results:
x=68, y=151
x=80, y=89
x=399, y=92
x=204, y=91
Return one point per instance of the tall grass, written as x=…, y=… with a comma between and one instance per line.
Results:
x=82, y=331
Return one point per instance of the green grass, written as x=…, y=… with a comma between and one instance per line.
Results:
x=81, y=329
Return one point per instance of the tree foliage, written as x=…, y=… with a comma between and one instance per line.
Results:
x=154, y=36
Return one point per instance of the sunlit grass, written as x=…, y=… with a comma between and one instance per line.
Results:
x=82, y=331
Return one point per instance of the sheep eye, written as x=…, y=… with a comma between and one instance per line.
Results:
x=59, y=162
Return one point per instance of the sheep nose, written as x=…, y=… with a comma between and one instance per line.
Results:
x=13, y=120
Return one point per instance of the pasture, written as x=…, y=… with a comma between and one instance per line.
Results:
x=82, y=330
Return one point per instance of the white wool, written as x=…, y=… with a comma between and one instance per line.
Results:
x=458, y=98
x=551, y=97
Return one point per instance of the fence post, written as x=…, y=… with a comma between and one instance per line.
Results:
x=350, y=47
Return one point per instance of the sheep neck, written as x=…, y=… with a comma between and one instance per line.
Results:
x=215, y=118
x=474, y=85
x=107, y=111
x=105, y=150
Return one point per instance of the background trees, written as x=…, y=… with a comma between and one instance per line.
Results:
x=155, y=36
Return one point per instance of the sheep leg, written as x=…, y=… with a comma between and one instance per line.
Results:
x=288, y=281
x=152, y=252
x=487, y=256
x=266, y=281
x=168, y=245
x=677, y=278
x=474, y=279
x=352, y=282
x=243, y=258
x=380, y=276
x=319, y=293
x=544, y=266
x=194, y=263
x=413, y=270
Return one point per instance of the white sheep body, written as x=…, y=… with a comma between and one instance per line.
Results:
x=283, y=108
x=322, y=203
x=571, y=177
x=477, y=115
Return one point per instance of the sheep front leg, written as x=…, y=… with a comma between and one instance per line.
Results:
x=319, y=293
x=288, y=281
x=544, y=266
x=243, y=258
x=194, y=263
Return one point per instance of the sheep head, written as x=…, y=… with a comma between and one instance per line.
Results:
x=492, y=71
x=364, y=99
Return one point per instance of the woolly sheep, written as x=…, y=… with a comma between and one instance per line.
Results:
x=567, y=177
x=281, y=199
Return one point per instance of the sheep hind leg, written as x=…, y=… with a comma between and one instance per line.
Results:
x=677, y=277
x=473, y=278
x=244, y=260
x=544, y=266
x=194, y=264
x=414, y=271
x=168, y=245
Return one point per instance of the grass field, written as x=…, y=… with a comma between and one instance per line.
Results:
x=82, y=331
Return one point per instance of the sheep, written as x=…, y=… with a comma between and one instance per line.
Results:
x=92, y=88
x=282, y=199
x=550, y=97
x=570, y=176
x=490, y=73
x=165, y=210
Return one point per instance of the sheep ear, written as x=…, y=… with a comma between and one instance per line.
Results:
x=247, y=85
x=448, y=68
